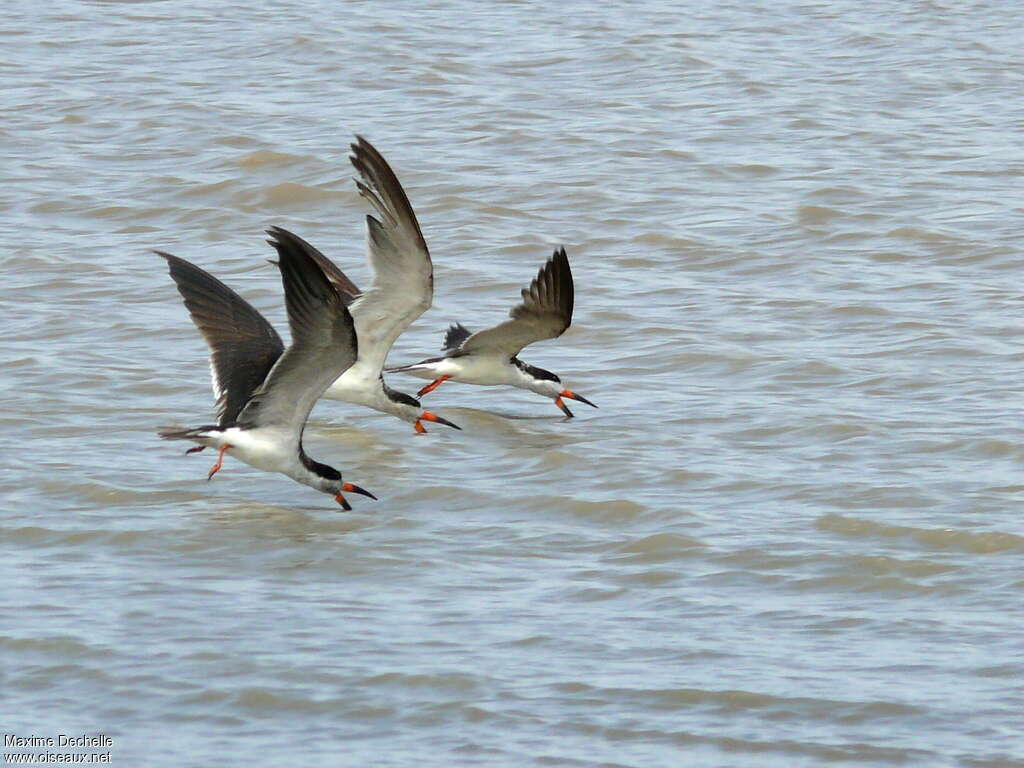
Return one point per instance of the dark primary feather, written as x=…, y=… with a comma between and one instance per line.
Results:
x=402, y=288
x=382, y=189
x=544, y=313
x=380, y=186
x=551, y=292
x=457, y=333
x=323, y=341
x=345, y=287
x=243, y=345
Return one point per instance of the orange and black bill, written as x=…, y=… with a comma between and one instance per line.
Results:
x=428, y=416
x=572, y=396
x=351, y=488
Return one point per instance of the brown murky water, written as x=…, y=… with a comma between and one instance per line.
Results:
x=791, y=535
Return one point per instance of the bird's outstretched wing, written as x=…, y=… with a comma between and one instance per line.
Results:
x=323, y=342
x=403, y=279
x=243, y=345
x=454, y=336
x=345, y=287
x=544, y=313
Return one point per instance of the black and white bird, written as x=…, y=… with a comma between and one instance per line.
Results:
x=402, y=290
x=265, y=392
x=489, y=357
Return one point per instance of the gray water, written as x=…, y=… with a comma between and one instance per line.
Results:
x=790, y=536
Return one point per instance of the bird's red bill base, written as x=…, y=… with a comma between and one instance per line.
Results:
x=572, y=396
x=429, y=416
x=351, y=488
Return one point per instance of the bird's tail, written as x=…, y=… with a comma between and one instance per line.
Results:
x=196, y=435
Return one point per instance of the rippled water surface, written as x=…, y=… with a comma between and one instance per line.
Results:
x=790, y=536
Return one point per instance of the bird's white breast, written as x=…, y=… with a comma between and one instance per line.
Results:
x=477, y=369
x=264, y=448
x=360, y=385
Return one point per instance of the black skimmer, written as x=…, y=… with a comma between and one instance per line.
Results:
x=489, y=357
x=265, y=392
x=402, y=290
